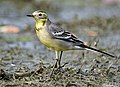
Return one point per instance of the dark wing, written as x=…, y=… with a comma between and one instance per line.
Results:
x=58, y=33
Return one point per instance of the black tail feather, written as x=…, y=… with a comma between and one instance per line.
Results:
x=94, y=49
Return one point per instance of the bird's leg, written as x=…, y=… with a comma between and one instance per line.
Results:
x=60, y=67
x=55, y=65
x=59, y=60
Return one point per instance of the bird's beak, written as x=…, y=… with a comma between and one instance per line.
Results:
x=30, y=15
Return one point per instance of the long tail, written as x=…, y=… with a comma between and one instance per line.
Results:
x=85, y=46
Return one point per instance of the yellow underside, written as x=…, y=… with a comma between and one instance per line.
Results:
x=52, y=44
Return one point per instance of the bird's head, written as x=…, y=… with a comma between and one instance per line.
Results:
x=39, y=15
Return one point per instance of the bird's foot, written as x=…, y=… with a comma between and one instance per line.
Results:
x=58, y=69
x=61, y=67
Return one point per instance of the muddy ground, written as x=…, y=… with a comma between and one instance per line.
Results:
x=25, y=61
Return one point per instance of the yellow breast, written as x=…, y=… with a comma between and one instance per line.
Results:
x=46, y=38
x=43, y=36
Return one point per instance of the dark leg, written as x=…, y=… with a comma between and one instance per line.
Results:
x=60, y=67
x=59, y=60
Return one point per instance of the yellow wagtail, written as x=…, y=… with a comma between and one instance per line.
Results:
x=56, y=38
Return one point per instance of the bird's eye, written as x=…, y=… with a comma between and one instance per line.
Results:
x=40, y=14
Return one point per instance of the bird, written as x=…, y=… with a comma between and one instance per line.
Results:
x=56, y=38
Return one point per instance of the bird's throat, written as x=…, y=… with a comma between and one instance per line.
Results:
x=40, y=24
